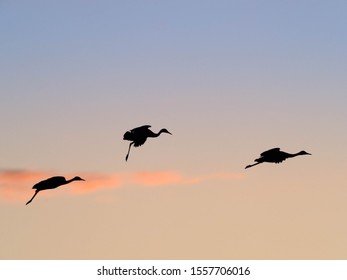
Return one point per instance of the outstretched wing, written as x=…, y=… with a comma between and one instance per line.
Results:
x=138, y=135
x=270, y=152
x=140, y=129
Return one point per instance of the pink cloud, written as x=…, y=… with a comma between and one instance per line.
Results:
x=16, y=185
x=95, y=182
x=158, y=178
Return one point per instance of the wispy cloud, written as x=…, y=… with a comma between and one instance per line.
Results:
x=15, y=185
x=157, y=178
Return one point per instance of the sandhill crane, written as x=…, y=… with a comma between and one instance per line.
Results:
x=52, y=183
x=139, y=135
x=276, y=156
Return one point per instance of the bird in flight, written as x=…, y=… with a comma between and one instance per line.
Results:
x=276, y=156
x=139, y=135
x=52, y=183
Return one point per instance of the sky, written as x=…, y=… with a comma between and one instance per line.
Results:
x=228, y=79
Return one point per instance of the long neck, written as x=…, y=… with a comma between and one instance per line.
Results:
x=69, y=181
x=156, y=134
x=293, y=155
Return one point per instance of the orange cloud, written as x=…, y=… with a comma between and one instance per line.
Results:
x=160, y=178
x=163, y=178
x=15, y=185
x=96, y=182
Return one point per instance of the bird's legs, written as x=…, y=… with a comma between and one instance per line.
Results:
x=248, y=166
x=36, y=192
x=126, y=158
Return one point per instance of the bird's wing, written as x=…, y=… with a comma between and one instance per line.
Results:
x=138, y=135
x=140, y=128
x=280, y=159
x=270, y=152
x=140, y=141
x=55, y=179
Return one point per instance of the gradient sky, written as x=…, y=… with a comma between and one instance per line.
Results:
x=229, y=80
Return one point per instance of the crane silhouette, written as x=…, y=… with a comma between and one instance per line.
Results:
x=52, y=183
x=139, y=135
x=276, y=156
